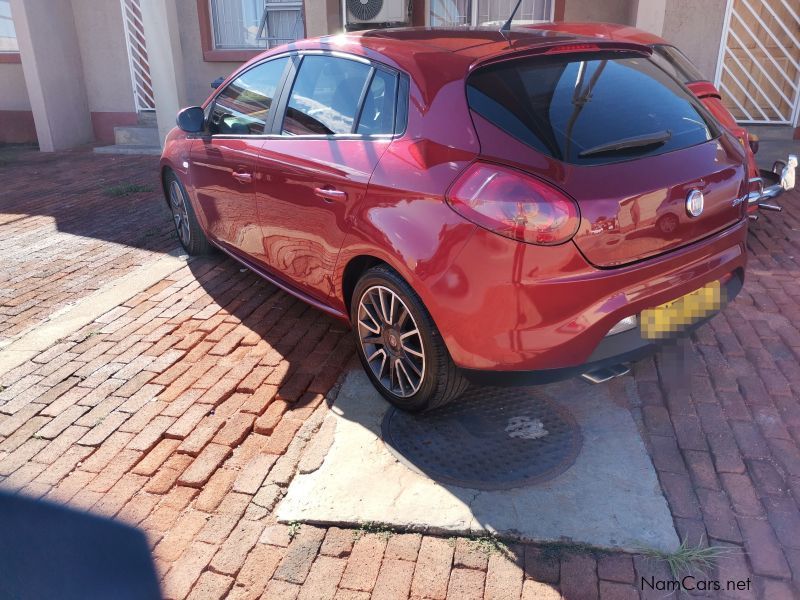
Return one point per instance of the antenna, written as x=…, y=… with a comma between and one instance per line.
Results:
x=507, y=25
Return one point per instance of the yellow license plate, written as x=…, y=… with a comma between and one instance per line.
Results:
x=674, y=317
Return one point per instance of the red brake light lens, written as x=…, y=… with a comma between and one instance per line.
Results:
x=514, y=205
x=572, y=48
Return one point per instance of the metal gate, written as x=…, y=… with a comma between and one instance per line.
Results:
x=758, y=71
x=137, y=55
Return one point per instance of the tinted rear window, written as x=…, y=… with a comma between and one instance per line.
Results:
x=577, y=107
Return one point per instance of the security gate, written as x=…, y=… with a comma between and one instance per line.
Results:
x=137, y=56
x=759, y=64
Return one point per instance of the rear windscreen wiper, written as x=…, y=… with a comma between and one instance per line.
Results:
x=636, y=141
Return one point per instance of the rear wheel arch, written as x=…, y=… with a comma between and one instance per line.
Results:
x=355, y=268
x=441, y=381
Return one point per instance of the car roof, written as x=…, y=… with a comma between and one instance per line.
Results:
x=433, y=56
x=475, y=41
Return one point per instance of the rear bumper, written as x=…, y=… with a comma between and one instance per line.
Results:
x=503, y=306
x=767, y=190
x=628, y=346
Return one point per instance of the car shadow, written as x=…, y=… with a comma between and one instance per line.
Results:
x=51, y=551
x=305, y=348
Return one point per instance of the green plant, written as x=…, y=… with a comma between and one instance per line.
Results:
x=126, y=189
x=489, y=544
x=382, y=531
x=89, y=335
x=687, y=558
x=556, y=550
x=294, y=529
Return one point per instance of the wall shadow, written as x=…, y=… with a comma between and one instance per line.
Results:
x=113, y=198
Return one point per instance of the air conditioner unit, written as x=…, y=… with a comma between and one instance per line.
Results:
x=367, y=14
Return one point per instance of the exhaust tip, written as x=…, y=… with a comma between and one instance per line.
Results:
x=606, y=373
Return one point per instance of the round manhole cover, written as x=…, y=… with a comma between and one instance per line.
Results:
x=490, y=438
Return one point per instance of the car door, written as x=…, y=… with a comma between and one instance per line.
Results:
x=338, y=118
x=223, y=162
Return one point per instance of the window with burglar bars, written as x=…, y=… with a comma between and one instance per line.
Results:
x=244, y=24
x=8, y=36
x=488, y=12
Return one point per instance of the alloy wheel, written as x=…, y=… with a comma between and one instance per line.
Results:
x=180, y=214
x=391, y=341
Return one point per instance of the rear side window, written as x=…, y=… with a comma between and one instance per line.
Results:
x=325, y=96
x=243, y=106
x=377, y=115
x=590, y=108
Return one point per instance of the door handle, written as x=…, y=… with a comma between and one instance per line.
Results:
x=242, y=177
x=330, y=194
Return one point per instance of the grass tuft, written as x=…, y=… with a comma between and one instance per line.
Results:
x=126, y=189
x=688, y=558
x=382, y=531
x=489, y=544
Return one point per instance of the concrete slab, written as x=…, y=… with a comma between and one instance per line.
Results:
x=610, y=497
x=74, y=316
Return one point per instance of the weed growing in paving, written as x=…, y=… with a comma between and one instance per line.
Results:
x=89, y=335
x=489, y=544
x=687, y=558
x=294, y=528
x=556, y=550
x=126, y=189
x=382, y=531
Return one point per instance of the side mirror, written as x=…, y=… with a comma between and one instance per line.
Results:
x=192, y=119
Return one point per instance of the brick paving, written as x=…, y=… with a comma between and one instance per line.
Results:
x=186, y=410
x=63, y=233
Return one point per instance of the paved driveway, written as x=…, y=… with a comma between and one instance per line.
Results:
x=185, y=411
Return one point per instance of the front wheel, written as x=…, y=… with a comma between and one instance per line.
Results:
x=190, y=234
x=399, y=346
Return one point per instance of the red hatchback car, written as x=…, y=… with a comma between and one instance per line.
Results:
x=505, y=207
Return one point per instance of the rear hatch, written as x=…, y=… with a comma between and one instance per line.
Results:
x=619, y=135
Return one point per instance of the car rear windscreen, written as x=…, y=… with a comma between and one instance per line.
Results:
x=590, y=108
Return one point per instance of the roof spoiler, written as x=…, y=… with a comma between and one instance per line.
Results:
x=567, y=46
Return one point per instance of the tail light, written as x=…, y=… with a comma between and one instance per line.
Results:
x=752, y=140
x=514, y=205
x=755, y=188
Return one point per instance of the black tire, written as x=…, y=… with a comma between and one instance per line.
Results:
x=187, y=228
x=441, y=380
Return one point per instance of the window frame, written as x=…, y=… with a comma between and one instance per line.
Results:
x=289, y=85
x=273, y=127
x=270, y=121
x=11, y=56
x=213, y=54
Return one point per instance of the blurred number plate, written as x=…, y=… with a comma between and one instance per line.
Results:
x=673, y=317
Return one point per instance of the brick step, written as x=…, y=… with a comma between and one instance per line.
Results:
x=136, y=136
x=771, y=132
x=128, y=149
x=147, y=118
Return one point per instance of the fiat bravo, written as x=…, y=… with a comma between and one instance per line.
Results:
x=505, y=207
